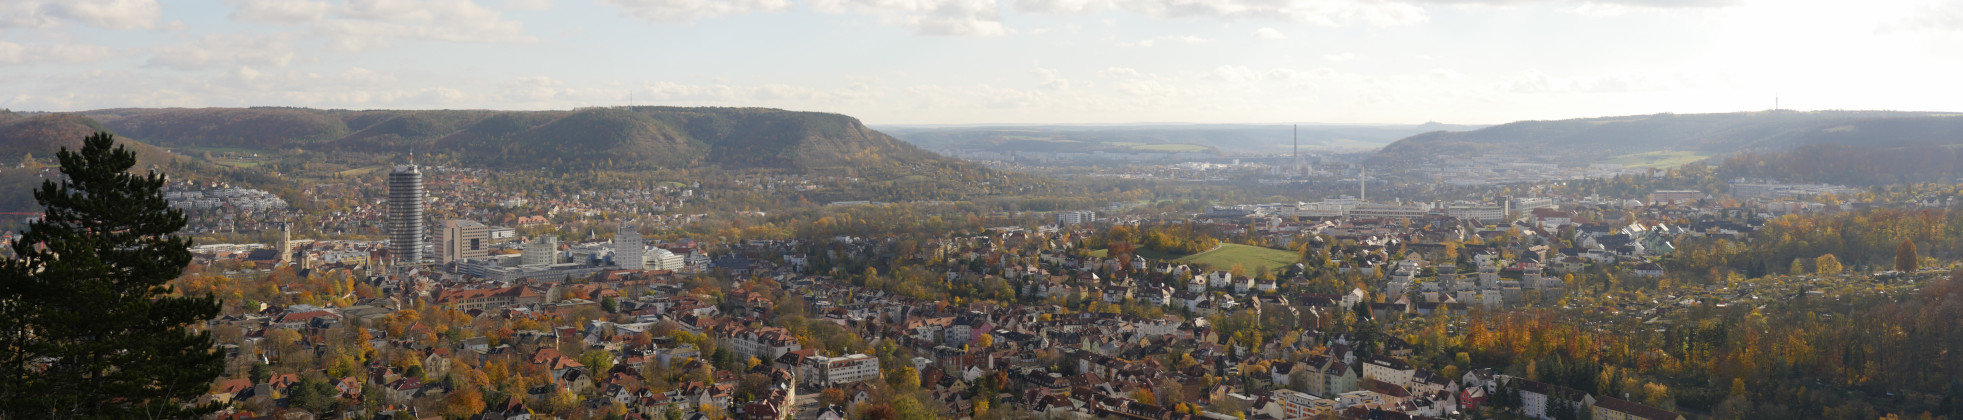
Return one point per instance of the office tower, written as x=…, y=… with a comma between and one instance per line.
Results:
x=627, y=247
x=543, y=250
x=405, y=214
x=458, y=240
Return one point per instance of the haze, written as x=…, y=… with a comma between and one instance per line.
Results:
x=990, y=61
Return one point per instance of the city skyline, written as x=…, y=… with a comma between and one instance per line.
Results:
x=986, y=61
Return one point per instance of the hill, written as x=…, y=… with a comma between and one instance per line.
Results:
x=637, y=137
x=40, y=136
x=1153, y=138
x=1640, y=138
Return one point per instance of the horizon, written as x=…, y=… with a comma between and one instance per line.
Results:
x=988, y=61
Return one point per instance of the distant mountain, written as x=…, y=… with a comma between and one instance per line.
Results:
x=637, y=137
x=1212, y=138
x=41, y=135
x=1590, y=140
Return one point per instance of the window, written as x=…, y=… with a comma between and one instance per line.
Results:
x=476, y=244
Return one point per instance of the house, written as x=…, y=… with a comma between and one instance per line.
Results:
x=1537, y=398
x=1609, y=408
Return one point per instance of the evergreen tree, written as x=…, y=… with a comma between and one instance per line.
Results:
x=88, y=326
x=1905, y=256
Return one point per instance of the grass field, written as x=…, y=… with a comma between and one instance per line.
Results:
x=359, y=171
x=1663, y=159
x=1224, y=257
x=1249, y=257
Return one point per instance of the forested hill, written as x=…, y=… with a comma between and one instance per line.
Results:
x=1592, y=140
x=637, y=137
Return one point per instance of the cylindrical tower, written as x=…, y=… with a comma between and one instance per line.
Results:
x=405, y=214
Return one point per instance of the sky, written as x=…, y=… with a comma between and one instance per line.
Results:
x=996, y=61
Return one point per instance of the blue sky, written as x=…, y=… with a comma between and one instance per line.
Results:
x=995, y=61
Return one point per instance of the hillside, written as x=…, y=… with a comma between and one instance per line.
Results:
x=1211, y=138
x=40, y=136
x=1593, y=140
x=638, y=137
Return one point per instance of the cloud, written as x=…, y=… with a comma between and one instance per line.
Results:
x=1269, y=33
x=373, y=24
x=528, y=5
x=1655, y=4
x=677, y=11
x=17, y=54
x=359, y=25
x=1320, y=12
x=228, y=50
x=1051, y=79
x=1931, y=18
x=1118, y=72
x=927, y=17
x=1166, y=40
x=1233, y=74
x=1340, y=57
x=112, y=14
x=279, y=11
x=1535, y=81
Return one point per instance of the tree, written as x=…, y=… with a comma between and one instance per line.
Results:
x=92, y=329
x=986, y=341
x=1826, y=265
x=599, y=361
x=463, y=403
x=1905, y=256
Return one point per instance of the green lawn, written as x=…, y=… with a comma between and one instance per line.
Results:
x=1249, y=257
x=1663, y=159
x=1149, y=254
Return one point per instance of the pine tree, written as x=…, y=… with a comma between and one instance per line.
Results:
x=88, y=326
x=1906, y=258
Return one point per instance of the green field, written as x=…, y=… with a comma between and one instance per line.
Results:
x=1171, y=147
x=1224, y=257
x=1249, y=257
x=1662, y=159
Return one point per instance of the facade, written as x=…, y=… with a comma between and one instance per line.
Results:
x=1075, y=217
x=458, y=240
x=405, y=214
x=1676, y=196
x=628, y=248
x=1295, y=405
x=544, y=251
x=1609, y=408
x=662, y=259
x=828, y=371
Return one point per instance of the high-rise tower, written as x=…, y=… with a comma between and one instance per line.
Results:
x=628, y=248
x=405, y=214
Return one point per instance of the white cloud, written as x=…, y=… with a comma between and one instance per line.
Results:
x=1233, y=74
x=1051, y=79
x=279, y=11
x=372, y=24
x=675, y=11
x=229, y=50
x=358, y=25
x=528, y=5
x=1118, y=72
x=17, y=54
x=112, y=14
x=1269, y=33
x=927, y=17
x=1339, y=57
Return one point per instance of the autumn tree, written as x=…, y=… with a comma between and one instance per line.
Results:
x=1826, y=265
x=1905, y=256
x=89, y=327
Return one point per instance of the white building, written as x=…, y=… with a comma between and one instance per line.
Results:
x=828, y=371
